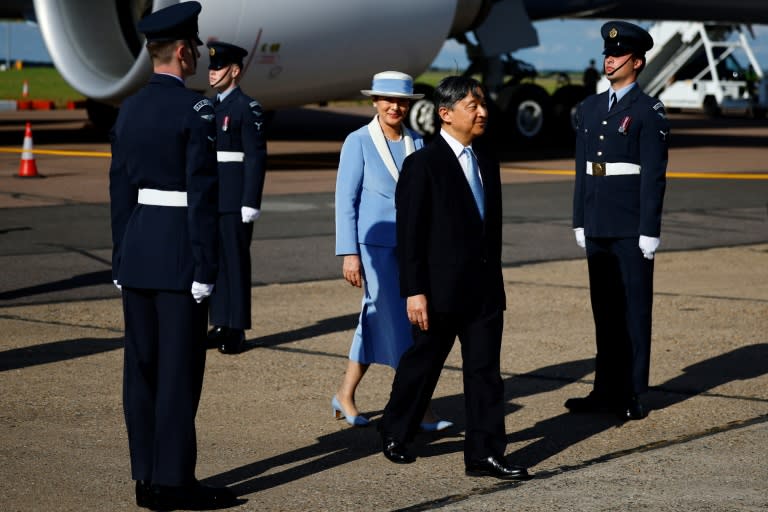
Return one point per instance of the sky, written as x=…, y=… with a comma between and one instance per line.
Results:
x=568, y=45
x=564, y=45
x=25, y=43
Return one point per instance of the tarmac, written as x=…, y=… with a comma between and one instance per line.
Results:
x=265, y=426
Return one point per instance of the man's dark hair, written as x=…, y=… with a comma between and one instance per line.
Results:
x=453, y=89
x=161, y=52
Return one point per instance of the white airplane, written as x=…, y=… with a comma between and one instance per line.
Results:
x=307, y=51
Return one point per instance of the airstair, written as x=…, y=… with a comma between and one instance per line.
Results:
x=693, y=65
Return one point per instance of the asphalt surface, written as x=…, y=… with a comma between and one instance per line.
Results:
x=265, y=426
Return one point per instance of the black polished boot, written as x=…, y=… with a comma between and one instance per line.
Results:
x=215, y=335
x=193, y=497
x=233, y=342
x=144, y=497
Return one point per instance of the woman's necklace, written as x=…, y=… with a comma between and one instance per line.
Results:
x=398, y=139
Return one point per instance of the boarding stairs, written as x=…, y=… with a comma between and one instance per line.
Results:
x=677, y=44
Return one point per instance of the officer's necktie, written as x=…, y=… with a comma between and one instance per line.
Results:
x=613, y=101
x=473, y=177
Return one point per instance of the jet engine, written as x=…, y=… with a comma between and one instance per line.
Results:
x=300, y=51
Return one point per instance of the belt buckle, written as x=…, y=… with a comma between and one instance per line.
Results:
x=598, y=168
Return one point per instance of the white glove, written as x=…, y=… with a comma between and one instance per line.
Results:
x=580, y=240
x=249, y=214
x=117, y=285
x=201, y=291
x=648, y=245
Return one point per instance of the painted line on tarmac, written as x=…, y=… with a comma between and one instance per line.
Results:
x=60, y=152
x=546, y=474
x=674, y=174
x=719, y=175
x=550, y=172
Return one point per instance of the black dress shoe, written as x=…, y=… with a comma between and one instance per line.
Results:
x=592, y=403
x=144, y=494
x=633, y=409
x=193, y=497
x=395, y=451
x=216, y=331
x=214, y=335
x=496, y=467
x=232, y=342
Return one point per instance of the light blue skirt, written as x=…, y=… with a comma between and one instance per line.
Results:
x=383, y=333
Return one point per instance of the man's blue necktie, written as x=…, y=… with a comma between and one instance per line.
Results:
x=473, y=177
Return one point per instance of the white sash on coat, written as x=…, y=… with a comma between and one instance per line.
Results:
x=377, y=134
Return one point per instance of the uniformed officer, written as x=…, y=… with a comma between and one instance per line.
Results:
x=163, y=191
x=241, y=153
x=621, y=162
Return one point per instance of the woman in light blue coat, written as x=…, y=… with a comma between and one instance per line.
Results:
x=370, y=163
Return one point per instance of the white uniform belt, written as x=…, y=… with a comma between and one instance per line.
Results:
x=156, y=197
x=230, y=156
x=612, y=168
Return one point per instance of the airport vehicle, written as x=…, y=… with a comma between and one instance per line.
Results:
x=306, y=51
x=695, y=66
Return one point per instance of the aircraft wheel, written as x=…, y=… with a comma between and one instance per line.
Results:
x=711, y=108
x=101, y=115
x=422, y=117
x=565, y=102
x=528, y=112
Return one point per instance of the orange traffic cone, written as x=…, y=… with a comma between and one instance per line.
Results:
x=28, y=167
x=25, y=89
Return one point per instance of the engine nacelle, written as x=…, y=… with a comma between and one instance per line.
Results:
x=300, y=51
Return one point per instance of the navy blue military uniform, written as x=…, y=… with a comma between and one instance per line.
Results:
x=163, y=191
x=241, y=154
x=621, y=161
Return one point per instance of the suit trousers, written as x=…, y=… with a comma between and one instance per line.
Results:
x=231, y=298
x=419, y=370
x=621, y=291
x=162, y=379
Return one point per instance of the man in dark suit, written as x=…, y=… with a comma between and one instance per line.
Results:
x=163, y=189
x=448, y=202
x=621, y=162
x=591, y=77
x=241, y=152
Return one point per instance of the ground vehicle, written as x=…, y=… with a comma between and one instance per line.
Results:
x=697, y=66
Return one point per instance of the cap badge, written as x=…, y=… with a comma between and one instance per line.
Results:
x=212, y=52
x=613, y=33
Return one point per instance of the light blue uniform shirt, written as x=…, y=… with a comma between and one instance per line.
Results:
x=620, y=93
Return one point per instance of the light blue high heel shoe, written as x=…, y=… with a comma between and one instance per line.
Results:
x=338, y=413
x=436, y=426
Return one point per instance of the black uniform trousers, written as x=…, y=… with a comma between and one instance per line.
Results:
x=419, y=370
x=162, y=380
x=231, y=298
x=621, y=290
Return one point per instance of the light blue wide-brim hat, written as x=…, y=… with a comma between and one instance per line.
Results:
x=392, y=84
